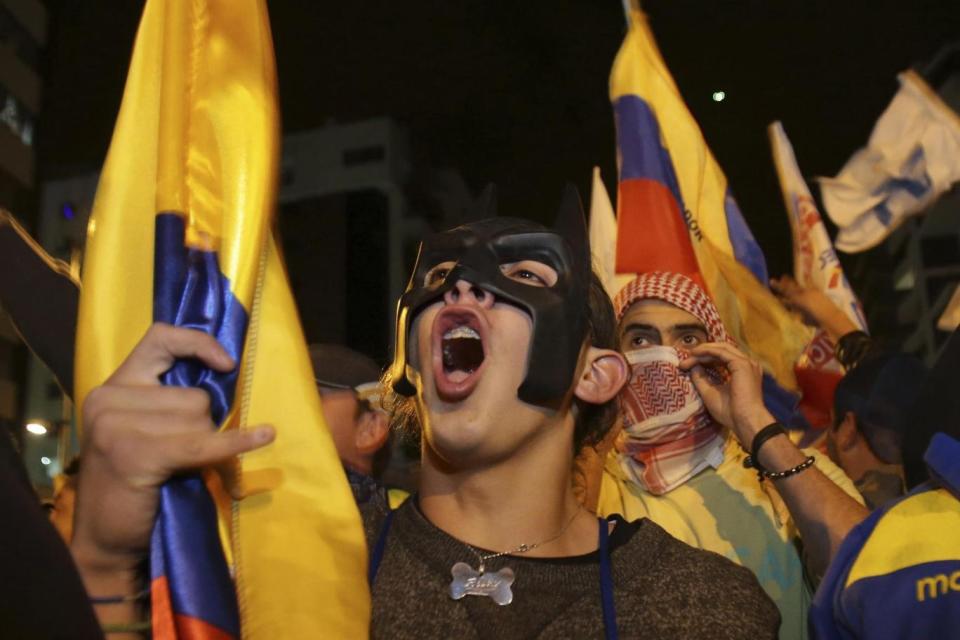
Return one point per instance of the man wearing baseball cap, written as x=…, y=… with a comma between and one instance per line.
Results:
x=349, y=387
x=872, y=412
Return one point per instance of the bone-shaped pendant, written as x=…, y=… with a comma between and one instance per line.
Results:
x=467, y=581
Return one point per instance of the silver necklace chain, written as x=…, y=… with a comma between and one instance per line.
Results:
x=523, y=547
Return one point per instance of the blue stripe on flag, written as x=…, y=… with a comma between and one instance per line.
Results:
x=745, y=247
x=185, y=547
x=190, y=291
x=638, y=139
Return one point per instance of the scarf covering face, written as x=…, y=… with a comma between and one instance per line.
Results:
x=668, y=436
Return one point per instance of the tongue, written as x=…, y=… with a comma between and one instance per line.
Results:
x=462, y=355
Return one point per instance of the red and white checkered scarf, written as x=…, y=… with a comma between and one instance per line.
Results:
x=668, y=437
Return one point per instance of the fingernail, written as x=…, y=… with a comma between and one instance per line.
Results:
x=264, y=433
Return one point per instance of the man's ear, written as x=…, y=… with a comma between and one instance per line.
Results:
x=371, y=432
x=847, y=434
x=603, y=375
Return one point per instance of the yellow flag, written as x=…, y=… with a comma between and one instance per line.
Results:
x=181, y=231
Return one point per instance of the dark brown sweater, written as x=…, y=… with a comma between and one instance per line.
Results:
x=663, y=588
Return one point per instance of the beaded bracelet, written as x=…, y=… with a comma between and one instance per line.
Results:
x=752, y=461
x=778, y=475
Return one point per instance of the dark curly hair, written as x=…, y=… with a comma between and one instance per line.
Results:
x=592, y=421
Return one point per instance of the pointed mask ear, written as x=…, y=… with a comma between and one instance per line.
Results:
x=486, y=204
x=571, y=224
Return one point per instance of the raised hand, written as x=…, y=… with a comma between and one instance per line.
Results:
x=138, y=433
x=734, y=395
x=814, y=306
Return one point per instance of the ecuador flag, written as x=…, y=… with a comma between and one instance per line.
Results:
x=181, y=232
x=675, y=211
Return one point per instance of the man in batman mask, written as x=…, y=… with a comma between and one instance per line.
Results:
x=506, y=362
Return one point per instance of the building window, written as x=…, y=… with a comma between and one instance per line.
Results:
x=15, y=116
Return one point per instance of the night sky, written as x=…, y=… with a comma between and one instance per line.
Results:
x=516, y=92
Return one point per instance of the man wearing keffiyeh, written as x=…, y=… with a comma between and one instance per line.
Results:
x=691, y=410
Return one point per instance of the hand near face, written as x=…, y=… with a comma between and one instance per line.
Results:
x=138, y=433
x=734, y=400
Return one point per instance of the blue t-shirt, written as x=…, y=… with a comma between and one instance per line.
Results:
x=897, y=574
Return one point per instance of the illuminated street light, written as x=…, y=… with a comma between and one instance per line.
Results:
x=45, y=460
x=37, y=428
x=718, y=96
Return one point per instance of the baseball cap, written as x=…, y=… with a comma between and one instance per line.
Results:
x=338, y=367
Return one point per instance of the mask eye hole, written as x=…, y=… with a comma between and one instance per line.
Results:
x=530, y=272
x=438, y=274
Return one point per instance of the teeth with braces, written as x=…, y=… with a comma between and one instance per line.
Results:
x=462, y=331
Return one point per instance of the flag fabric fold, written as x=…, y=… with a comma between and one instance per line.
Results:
x=675, y=211
x=815, y=264
x=909, y=161
x=603, y=237
x=190, y=179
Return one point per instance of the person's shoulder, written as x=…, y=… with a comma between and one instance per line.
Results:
x=896, y=571
x=673, y=555
x=718, y=593
x=910, y=532
x=373, y=513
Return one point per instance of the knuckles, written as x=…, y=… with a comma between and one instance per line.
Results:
x=110, y=425
x=158, y=331
x=194, y=401
x=193, y=448
x=94, y=404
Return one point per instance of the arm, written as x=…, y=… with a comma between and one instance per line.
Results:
x=137, y=434
x=816, y=308
x=824, y=514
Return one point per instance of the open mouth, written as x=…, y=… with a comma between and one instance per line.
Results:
x=458, y=347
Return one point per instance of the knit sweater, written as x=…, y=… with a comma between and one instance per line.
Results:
x=663, y=588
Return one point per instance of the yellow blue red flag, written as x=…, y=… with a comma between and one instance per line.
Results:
x=675, y=212
x=181, y=232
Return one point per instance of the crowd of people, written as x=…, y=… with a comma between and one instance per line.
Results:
x=660, y=497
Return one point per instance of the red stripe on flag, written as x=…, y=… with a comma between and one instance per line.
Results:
x=161, y=610
x=168, y=625
x=191, y=628
x=651, y=232
x=818, y=389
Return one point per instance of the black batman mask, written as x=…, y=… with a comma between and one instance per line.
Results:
x=558, y=312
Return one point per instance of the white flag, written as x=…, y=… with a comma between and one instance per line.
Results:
x=815, y=262
x=912, y=157
x=603, y=237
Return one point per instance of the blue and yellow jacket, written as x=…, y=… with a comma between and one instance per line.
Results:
x=897, y=575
